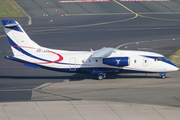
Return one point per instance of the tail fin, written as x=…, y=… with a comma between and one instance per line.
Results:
x=18, y=38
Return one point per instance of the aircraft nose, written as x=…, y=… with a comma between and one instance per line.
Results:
x=176, y=68
x=173, y=66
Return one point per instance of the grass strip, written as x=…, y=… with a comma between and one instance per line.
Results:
x=175, y=58
x=9, y=9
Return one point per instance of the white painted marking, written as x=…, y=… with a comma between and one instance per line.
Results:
x=68, y=1
x=143, y=0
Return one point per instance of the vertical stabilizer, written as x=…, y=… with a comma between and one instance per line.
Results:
x=18, y=39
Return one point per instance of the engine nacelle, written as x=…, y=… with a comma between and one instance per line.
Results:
x=117, y=61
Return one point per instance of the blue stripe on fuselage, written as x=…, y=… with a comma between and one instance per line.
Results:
x=165, y=61
x=13, y=44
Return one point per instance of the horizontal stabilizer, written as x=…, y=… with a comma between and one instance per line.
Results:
x=103, y=53
x=10, y=25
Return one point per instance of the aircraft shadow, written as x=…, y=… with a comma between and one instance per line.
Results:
x=79, y=77
x=75, y=77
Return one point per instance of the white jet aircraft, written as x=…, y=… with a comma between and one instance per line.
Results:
x=101, y=62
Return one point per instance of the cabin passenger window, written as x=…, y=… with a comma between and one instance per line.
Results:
x=134, y=61
x=145, y=61
x=96, y=60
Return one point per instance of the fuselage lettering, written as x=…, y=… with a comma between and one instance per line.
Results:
x=42, y=51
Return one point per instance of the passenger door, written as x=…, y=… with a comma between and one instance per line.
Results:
x=72, y=64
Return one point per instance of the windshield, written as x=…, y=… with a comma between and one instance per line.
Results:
x=161, y=59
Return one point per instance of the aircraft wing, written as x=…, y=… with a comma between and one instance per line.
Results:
x=103, y=53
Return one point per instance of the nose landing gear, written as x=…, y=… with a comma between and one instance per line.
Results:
x=163, y=75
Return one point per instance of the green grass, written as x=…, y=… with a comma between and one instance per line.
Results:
x=175, y=58
x=9, y=9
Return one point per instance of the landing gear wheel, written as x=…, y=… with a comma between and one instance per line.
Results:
x=163, y=76
x=100, y=77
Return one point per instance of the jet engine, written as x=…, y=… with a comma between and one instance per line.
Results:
x=117, y=61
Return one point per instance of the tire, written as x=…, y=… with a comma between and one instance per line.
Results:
x=163, y=76
x=100, y=77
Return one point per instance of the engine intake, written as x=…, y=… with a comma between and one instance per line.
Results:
x=117, y=61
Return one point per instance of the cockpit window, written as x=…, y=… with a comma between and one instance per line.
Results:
x=160, y=59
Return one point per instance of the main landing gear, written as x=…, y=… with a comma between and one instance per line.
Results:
x=101, y=76
x=163, y=75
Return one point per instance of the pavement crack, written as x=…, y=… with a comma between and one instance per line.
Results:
x=56, y=95
x=41, y=111
x=114, y=111
x=6, y=112
x=158, y=113
x=61, y=7
x=165, y=6
x=83, y=8
x=39, y=6
x=77, y=110
x=176, y=98
x=144, y=6
x=44, y=85
x=105, y=89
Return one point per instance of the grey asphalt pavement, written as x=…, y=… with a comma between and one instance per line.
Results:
x=54, y=7
x=28, y=93
x=83, y=33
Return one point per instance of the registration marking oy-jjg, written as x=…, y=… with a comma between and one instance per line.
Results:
x=71, y=1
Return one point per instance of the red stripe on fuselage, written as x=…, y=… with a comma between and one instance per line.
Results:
x=58, y=60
